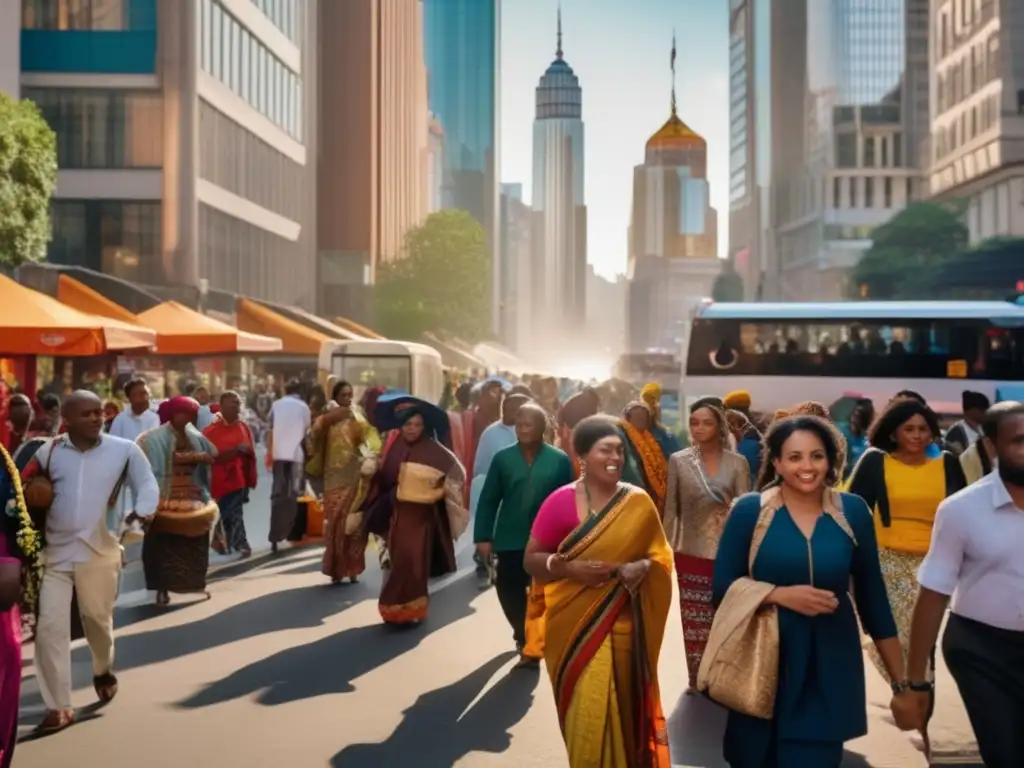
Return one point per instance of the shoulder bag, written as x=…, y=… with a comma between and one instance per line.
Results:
x=740, y=667
x=38, y=490
x=420, y=483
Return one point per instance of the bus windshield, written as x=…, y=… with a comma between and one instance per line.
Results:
x=365, y=371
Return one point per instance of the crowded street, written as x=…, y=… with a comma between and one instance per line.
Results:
x=279, y=666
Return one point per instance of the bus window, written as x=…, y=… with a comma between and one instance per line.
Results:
x=364, y=371
x=870, y=349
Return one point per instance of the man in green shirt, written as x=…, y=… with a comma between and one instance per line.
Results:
x=520, y=478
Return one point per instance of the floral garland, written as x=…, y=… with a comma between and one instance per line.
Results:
x=655, y=466
x=28, y=539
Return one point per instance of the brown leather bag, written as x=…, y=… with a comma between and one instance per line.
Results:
x=38, y=489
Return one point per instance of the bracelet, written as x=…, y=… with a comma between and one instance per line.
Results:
x=549, y=561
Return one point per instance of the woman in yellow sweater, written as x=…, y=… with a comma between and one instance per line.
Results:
x=904, y=486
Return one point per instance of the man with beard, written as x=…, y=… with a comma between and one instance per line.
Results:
x=975, y=557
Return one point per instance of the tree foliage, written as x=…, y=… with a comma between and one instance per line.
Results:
x=728, y=286
x=28, y=175
x=908, y=252
x=442, y=282
x=992, y=269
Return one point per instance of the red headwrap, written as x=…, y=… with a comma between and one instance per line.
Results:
x=181, y=404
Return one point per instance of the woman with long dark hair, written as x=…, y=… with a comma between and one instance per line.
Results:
x=797, y=544
x=903, y=486
x=703, y=481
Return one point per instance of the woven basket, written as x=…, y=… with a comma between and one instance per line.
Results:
x=185, y=518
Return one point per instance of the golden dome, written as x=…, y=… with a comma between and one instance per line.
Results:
x=675, y=134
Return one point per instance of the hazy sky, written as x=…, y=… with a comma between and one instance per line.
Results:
x=620, y=50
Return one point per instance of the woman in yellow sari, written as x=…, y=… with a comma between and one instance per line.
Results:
x=349, y=447
x=599, y=546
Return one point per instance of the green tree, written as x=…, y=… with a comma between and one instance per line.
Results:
x=728, y=286
x=442, y=282
x=28, y=175
x=908, y=252
x=992, y=269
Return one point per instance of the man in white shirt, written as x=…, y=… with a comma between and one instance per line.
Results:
x=289, y=423
x=138, y=417
x=88, y=470
x=976, y=557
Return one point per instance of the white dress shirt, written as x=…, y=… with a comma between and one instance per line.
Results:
x=129, y=425
x=76, y=525
x=289, y=423
x=976, y=555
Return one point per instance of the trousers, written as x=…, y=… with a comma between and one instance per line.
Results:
x=96, y=583
x=987, y=664
x=512, y=583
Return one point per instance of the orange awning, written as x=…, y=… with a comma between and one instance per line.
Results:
x=354, y=327
x=296, y=338
x=80, y=296
x=183, y=331
x=32, y=323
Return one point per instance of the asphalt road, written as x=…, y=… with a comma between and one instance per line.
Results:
x=279, y=668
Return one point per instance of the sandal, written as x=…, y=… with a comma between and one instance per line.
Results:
x=105, y=686
x=163, y=598
x=56, y=720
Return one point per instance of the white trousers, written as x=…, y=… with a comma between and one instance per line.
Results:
x=96, y=582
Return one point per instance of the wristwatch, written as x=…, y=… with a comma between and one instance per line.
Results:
x=924, y=687
x=899, y=686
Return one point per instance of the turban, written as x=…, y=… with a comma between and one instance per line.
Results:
x=739, y=400
x=181, y=404
x=651, y=394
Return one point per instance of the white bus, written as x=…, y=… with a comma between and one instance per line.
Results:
x=788, y=353
x=406, y=365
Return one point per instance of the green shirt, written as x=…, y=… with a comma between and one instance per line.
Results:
x=517, y=489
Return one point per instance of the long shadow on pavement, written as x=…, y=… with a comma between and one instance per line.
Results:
x=329, y=665
x=298, y=608
x=696, y=730
x=440, y=731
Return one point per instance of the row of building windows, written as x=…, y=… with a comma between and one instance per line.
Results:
x=855, y=150
x=230, y=53
x=236, y=256
x=971, y=123
x=958, y=22
x=975, y=69
x=240, y=162
x=120, y=238
x=88, y=15
x=870, y=192
x=287, y=15
x=103, y=129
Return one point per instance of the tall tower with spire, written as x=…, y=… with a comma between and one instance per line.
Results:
x=673, y=240
x=559, y=258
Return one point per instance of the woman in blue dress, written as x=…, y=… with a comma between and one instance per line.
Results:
x=815, y=540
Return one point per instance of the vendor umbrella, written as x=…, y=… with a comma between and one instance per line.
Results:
x=387, y=414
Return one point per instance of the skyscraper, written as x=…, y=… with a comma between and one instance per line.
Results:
x=372, y=175
x=673, y=249
x=560, y=249
x=462, y=42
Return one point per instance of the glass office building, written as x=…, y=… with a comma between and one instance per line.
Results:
x=462, y=40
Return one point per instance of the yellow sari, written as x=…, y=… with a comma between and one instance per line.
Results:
x=602, y=645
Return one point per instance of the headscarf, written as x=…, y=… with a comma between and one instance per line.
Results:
x=651, y=394
x=632, y=407
x=738, y=401
x=181, y=404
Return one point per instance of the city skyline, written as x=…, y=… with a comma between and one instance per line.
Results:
x=609, y=45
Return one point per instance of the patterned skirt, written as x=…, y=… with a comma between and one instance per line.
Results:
x=695, y=576
x=175, y=563
x=900, y=573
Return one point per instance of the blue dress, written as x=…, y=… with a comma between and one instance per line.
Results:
x=821, y=701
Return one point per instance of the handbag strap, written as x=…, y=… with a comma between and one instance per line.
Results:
x=55, y=443
x=119, y=484
x=770, y=504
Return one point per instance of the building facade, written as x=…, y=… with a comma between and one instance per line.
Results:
x=745, y=223
x=855, y=157
x=559, y=250
x=462, y=43
x=515, y=243
x=673, y=249
x=186, y=140
x=977, y=120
